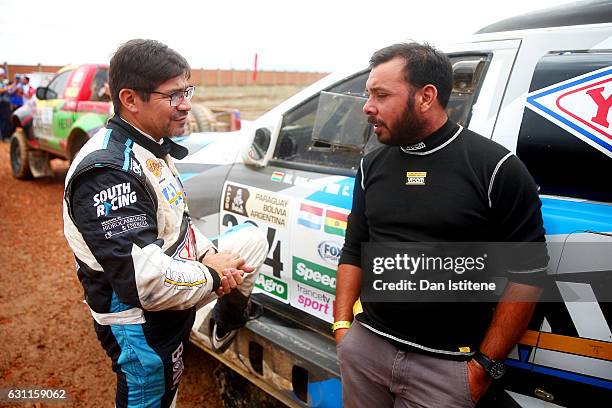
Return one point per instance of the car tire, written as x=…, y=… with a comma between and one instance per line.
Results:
x=19, y=149
x=77, y=142
x=199, y=119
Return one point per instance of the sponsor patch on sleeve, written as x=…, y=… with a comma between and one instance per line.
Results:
x=119, y=225
x=113, y=198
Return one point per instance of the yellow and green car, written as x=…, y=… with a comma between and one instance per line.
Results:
x=60, y=120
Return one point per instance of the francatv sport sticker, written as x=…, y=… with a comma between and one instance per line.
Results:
x=581, y=106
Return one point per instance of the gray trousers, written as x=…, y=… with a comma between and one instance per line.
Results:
x=375, y=373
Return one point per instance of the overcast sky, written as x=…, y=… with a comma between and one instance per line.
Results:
x=309, y=35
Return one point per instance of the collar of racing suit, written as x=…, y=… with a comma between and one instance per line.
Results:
x=159, y=150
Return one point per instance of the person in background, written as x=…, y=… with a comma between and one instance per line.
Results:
x=16, y=93
x=5, y=108
x=28, y=90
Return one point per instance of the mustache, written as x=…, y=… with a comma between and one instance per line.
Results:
x=373, y=121
x=179, y=115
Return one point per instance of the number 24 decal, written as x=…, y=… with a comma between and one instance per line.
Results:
x=274, y=255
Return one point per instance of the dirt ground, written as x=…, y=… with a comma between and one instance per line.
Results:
x=46, y=334
x=252, y=101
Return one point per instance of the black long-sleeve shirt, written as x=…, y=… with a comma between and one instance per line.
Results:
x=454, y=186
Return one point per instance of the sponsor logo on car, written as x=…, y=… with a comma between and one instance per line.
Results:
x=314, y=302
x=272, y=286
x=257, y=204
x=315, y=275
x=580, y=105
x=329, y=251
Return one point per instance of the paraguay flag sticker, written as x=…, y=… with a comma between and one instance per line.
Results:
x=581, y=106
x=310, y=216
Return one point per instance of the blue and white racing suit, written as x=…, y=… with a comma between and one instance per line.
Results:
x=137, y=250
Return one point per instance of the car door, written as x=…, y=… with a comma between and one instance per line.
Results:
x=46, y=122
x=565, y=142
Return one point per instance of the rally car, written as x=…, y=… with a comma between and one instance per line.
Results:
x=540, y=85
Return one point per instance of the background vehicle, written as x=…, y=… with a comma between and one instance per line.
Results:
x=67, y=112
x=541, y=92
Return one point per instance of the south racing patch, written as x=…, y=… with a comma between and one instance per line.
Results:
x=119, y=225
x=113, y=198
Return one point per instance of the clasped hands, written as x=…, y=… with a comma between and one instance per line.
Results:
x=230, y=267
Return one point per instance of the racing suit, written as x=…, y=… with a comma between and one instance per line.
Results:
x=127, y=222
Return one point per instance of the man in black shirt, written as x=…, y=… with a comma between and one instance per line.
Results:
x=434, y=181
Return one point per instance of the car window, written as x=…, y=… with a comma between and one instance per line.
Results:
x=57, y=85
x=97, y=86
x=564, y=139
x=330, y=129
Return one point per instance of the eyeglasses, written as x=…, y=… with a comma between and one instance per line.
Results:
x=176, y=98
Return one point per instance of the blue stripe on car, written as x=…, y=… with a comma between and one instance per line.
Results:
x=325, y=394
x=186, y=176
x=565, y=216
x=585, y=379
x=342, y=199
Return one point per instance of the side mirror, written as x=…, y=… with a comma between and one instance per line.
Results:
x=256, y=152
x=41, y=93
x=260, y=147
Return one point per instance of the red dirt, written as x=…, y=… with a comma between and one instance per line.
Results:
x=46, y=333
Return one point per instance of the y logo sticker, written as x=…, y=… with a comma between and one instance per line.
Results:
x=581, y=106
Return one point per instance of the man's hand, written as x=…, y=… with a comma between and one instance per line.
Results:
x=225, y=260
x=222, y=261
x=478, y=380
x=230, y=280
x=339, y=334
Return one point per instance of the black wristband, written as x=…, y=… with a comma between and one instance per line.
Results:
x=215, y=277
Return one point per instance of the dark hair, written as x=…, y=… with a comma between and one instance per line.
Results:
x=424, y=65
x=143, y=65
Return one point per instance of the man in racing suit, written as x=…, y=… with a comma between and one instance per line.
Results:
x=144, y=267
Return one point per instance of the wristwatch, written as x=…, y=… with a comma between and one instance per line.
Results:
x=495, y=369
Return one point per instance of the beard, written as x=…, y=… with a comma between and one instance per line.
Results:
x=407, y=131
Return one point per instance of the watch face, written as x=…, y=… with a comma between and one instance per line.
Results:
x=497, y=370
